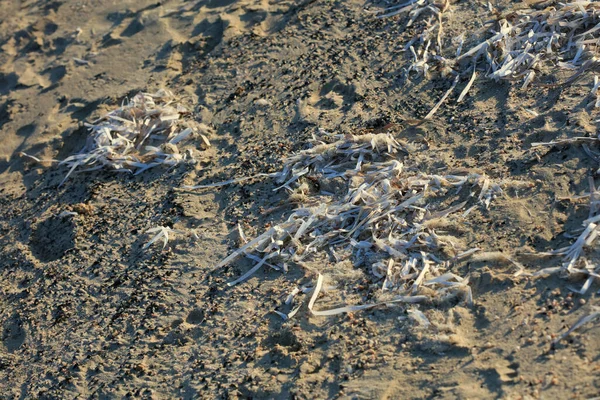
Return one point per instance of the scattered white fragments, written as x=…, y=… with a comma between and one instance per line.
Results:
x=335, y=311
x=263, y=102
x=565, y=35
x=426, y=47
x=67, y=214
x=384, y=221
x=161, y=232
x=582, y=321
x=574, y=261
x=141, y=134
x=164, y=233
x=417, y=315
x=518, y=46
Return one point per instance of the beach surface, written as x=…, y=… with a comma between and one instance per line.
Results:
x=87, y=311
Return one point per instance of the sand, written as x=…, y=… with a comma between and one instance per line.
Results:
x=86, y=312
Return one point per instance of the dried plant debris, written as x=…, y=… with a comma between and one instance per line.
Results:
x=160, y=232
x=143, y=133
x=565, y=35
x=164, y=233
x=574, y=256
x=345, y=309
x=582, y=140
x=383, y=219
x=520, y=44
x=426, y=47
x=582, y=321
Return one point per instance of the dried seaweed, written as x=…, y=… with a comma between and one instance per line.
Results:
x=519, y=45
x=574, y=256
x=141, y=134
x=582, y=321
x=165, y=233
x=426, y=46
x=565, y=35
x=382, y=222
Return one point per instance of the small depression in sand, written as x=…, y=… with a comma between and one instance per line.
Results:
x=52, y=238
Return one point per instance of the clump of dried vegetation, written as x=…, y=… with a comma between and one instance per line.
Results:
x=516, y=45
x=561, y=35
x=143, y=133
x=537, y=38
x=384, y=219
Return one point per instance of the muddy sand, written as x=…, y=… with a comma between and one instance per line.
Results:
x=88, y=311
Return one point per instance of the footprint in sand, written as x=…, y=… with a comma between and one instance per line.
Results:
x=13, y=334
x=52, y=237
